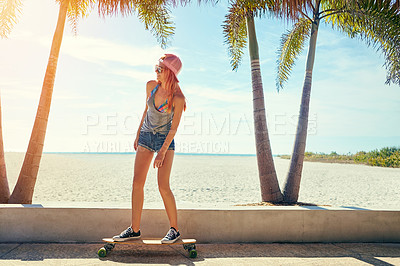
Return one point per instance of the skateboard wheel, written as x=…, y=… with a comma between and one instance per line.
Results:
x=109, y=246
x=102, y=252
x=193, y=253
x=189, y=247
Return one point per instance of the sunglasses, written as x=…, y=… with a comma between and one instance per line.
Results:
x=158, y=69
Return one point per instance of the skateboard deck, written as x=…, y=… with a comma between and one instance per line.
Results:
x=188, y=244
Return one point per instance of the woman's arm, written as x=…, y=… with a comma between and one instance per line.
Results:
x=179, y=102
x=149, y=87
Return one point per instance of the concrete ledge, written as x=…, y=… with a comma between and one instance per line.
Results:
x=37, y=223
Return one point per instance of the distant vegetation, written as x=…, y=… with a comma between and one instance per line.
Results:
x=386, y=157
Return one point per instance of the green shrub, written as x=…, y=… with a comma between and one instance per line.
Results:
x=386, y=157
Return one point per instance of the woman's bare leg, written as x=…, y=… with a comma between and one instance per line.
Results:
x=164, y=173
x=142, y=163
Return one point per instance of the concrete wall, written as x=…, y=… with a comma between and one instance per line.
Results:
x=36, y=223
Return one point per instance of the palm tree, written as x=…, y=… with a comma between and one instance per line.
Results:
x=270, y=190
x=4, y=188
x=9, y=11
x=23, y=190
x=376, y=22
x=238, y=28
x=155, y=16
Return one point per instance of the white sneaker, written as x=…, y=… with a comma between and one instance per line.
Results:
x=127, y=234
x=171, y=236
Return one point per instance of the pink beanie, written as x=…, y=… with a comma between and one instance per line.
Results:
x=172, y=62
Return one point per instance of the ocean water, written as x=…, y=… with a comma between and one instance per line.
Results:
x=203, y=181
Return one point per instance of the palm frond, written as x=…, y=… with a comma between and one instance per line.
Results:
x=378, y=24
x=9, y=12
x=292, y=43
x=258, y=8
x=235, y=33
x=234, y=26
x=78, y=9
x=235, y=29
x=113, y=7
x=126, y=7
x=175, y=3
x=293, y=9
x=157, y=19
x=154, y=14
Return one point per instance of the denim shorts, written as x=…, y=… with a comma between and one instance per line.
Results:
x=154, y=141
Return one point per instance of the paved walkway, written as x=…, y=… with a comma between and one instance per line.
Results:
x=208, y=254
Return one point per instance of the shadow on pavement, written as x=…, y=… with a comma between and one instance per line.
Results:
x=221, y=254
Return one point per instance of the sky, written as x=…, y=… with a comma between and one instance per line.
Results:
x=99, y=92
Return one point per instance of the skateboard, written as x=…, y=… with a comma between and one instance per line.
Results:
x=188, y=244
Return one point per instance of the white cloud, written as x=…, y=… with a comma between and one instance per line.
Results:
x=100, y=51
x=221, y=94
x=17, y=89
x=141, y=76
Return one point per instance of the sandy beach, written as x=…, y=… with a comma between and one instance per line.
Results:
x=204, y=181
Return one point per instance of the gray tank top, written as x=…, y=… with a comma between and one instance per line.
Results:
x=156, y=121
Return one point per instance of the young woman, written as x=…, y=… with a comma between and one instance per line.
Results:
x=161, y=117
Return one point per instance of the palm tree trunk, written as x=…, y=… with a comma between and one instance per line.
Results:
x=270, y=190
x=24, y=188
x=292, y=183
x=4, y=188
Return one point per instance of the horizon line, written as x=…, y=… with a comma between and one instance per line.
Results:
x=177, y=153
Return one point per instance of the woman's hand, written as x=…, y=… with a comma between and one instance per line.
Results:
x=158, y=161
x=135, y=144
